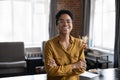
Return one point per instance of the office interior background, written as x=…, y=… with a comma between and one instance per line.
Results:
x=33, y=22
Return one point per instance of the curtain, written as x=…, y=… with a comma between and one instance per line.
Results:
x=86, y=18
x=52, y=21
x=117, y=36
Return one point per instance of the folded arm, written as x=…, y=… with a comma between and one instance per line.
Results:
x=75, y=68
x=53, y=69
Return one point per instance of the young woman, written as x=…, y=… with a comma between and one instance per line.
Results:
x=64, y=54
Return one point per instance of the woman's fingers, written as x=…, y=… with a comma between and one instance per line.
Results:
x=52, y=63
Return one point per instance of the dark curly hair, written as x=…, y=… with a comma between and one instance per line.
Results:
x=63, y=12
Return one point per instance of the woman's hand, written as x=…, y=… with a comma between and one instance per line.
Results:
x=79, y=64
x=85, y=46
x=52, y=63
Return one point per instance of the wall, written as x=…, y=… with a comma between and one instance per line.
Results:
x=76, y=7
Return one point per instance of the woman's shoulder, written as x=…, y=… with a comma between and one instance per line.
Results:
x=76, y=39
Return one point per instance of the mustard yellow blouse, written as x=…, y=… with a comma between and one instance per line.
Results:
x=64, y=59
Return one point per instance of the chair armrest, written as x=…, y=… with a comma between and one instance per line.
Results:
x=13, y=64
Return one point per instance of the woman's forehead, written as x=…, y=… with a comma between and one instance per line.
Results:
x=64, y=16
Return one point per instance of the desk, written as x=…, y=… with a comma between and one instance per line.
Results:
x=107, y=74
x=99, y=58
x=27, y=77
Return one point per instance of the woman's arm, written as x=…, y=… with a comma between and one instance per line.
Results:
x=52, y=68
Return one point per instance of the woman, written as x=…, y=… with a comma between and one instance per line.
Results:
x=64, y=54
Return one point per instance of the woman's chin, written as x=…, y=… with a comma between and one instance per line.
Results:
x=65, y=33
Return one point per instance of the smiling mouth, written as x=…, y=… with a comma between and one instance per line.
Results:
x=65, y=28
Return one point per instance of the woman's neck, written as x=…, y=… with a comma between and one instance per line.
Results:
x=64, y=38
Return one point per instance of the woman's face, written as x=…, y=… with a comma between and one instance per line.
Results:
x=65, y=24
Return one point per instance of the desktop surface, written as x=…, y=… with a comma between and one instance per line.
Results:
x=27, y=77
x=106, y=74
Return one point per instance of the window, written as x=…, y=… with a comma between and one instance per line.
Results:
x=24, y=20
x=102, y=24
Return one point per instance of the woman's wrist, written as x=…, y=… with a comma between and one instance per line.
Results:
x=73, y=66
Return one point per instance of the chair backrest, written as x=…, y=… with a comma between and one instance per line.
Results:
x=43, y=45
x=11, y=51
x=32, y=52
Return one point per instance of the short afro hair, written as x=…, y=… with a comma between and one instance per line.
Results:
x=63, y=12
